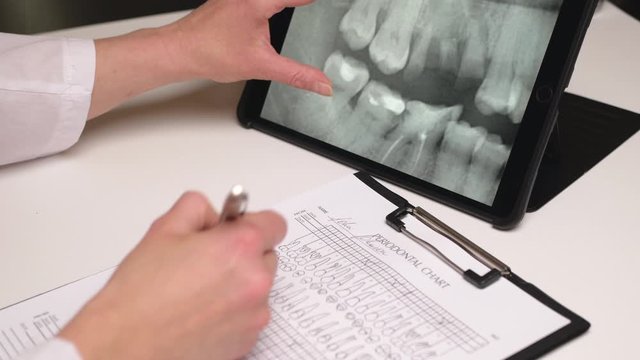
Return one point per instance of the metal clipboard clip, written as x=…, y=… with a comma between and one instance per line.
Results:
x=394, y=219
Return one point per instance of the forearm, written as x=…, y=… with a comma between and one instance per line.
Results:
x=129, y=65
x=222, y=40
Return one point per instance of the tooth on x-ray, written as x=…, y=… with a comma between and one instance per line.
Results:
x=375, y=114
x=321, y=117
x=437, y=34
x=473, y=62
x=348, y=75
x=449, y=55
x=488, y=159
x=359, y=24
x=454, y=157
x=423, y=35
x=415, y=141
x=529, y=58
x=391, y=45
x=518, y=100
x=493, y=96
x=512, y=72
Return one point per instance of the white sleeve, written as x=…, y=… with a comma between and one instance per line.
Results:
x=56, y=349
x=45, y=94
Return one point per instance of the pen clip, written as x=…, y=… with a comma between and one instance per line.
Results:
x=497, y=267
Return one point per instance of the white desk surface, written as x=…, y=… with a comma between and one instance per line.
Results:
x=76, y=213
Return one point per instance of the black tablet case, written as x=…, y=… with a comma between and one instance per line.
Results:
x=585, y=133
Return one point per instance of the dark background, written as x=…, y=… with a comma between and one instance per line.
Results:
x=33, y=16
x=630, y=6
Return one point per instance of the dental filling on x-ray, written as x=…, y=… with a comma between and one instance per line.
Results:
x=433, y=88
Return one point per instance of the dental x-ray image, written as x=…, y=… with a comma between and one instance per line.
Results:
x=433, y=88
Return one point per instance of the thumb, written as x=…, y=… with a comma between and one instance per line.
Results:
x=284, y=70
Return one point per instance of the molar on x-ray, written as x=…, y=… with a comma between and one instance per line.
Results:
x=377, y=111
x=323, y=114
x=416, y=140
x=390, y=48
x=433, y=88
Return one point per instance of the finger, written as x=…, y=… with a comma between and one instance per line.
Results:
x=271, y=262
x=294, y=3
x=191, y=213
x=275, y=6
x=284, y=70
x=270, y=224
x=259, y=232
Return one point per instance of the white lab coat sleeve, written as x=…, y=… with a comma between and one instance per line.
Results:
x=45, y=94
x=56, y=349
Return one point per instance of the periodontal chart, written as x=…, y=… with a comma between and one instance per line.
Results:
x=350, y=287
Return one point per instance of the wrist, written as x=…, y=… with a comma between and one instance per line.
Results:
x=132, y=64
x=98, y=331
x=159, y=55
x=170, y=42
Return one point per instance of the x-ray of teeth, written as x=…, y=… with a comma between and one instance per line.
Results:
x=377, y=111
x=358, y=26
x=509, y=81
x=417, y=138
x=322, y=114
x=488, y=159
x=389, y=49
x=454, y=158
x=438, y=34
x=433, y=88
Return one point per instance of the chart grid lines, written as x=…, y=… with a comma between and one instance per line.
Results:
x=449, y=326
x=279, y=342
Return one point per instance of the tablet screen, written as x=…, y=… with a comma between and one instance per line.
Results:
x=433, y=88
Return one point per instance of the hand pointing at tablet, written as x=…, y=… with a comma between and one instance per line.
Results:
x=223, y=40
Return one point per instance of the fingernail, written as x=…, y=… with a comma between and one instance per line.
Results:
x=322, y=88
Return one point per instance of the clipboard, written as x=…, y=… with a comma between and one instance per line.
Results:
x=575, y=328
x=354, y=289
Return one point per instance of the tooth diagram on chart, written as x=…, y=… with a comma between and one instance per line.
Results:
x=333, y=299
x=350, y=287
x=433, y=88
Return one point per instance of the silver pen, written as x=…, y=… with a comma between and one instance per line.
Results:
x=235, y=204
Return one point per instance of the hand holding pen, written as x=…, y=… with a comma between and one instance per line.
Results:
x=190, y=289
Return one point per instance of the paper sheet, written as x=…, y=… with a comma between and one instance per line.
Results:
x=348, y=287
x=31, y=322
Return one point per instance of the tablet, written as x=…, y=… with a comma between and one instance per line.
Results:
x=452, y=99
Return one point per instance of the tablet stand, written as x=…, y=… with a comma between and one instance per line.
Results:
x=585, y=133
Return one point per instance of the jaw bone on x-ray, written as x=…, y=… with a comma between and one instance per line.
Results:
x=433, y=88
